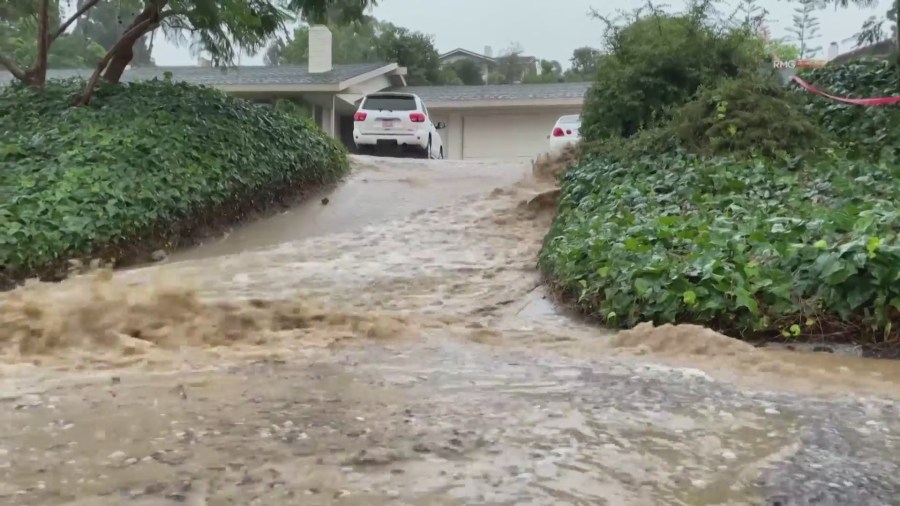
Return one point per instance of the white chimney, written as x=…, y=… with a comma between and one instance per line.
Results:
x=203, y=62
x=319, y=49
x=488, y=51
x=832, y=51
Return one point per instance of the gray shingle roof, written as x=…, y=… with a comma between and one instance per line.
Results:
x=210, y=76
x=877, y=50
x=498, y=92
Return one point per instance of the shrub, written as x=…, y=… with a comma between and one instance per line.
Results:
x=748, y=115
x=657, y=63
x=752, y=114
x=142, y=159
x=746, y=246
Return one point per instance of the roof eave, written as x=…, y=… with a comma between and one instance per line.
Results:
x=390, y=67
x=494, y=103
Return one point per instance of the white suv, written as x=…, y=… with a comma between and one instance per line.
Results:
x=396, y=121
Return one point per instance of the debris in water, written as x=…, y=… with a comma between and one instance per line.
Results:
x=99, y=313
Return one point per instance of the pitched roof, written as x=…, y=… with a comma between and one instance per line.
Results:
x=551, y=91
x=465, y=52
x=211, y=76
x=473, y=54
x=876, y=50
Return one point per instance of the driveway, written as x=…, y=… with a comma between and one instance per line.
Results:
x=361, y=353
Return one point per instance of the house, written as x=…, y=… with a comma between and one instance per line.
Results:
x=492, y=121
x=499, y=121
x=487, y=62
x=879, y=50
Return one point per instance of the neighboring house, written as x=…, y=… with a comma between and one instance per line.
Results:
x=484, y=61
x=487, y=62
x=492, y=121
x=879, y=50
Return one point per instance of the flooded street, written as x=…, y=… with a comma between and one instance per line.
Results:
x=394, y=346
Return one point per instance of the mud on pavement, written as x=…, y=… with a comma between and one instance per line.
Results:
x=404, y=362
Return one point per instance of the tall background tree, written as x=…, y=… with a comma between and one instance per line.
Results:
x=20, y=46
x=551, y=72
x=367, y=40
x=512, y=66
x=468, y=72
x=805, y=28
x=583, y=64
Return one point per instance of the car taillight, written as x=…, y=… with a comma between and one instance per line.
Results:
x=417, y=117
x=360, y=116
x=558, y=132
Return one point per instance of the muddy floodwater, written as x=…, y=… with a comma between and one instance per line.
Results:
x=394, y=346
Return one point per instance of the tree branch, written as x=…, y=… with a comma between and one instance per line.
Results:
x=65, y=26
x=126, y=39
x=13, y=68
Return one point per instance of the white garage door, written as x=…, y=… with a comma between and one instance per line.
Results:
x=507, y=135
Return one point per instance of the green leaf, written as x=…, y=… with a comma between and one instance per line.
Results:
x=642, y=286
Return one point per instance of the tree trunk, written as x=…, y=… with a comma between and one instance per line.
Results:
x=897, y=40
x=125, y=52
x=37, y=76
x=125, y=42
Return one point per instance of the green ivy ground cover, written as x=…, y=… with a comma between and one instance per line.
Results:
x=750, y=247
x=712, y=194
x=140, y=160
x=870, y=132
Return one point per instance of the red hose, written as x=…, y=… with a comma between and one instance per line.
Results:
x=851, y=101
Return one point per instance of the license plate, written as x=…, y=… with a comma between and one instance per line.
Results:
x=387, y=124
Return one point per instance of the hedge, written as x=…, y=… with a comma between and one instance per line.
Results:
x=141, y=161
x=739, y=204
x=749, y=247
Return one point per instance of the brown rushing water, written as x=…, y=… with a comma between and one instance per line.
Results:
x=393, y=347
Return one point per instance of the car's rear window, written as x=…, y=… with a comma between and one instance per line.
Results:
x=382, y=103
x=570, y=120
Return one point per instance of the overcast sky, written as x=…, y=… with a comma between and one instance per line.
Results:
x=548, y=29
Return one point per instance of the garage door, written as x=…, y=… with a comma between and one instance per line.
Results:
x=507, y=135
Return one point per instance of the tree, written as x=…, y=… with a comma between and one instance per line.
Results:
x=18, y=26
x=511, y=66
x=657, y=63
x=469, y=72
x=873, y=31
x=353, y=42
x=551, y=72
x=806, y=28
x=750, y=13
x=368, y=40
x=219, y=27
x=28, y=47
x=584, y=64
x=784, y=50
x=414, y=50
x=105, y=24
x=450, y=77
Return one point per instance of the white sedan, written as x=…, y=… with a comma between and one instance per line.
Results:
x=565, y=133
